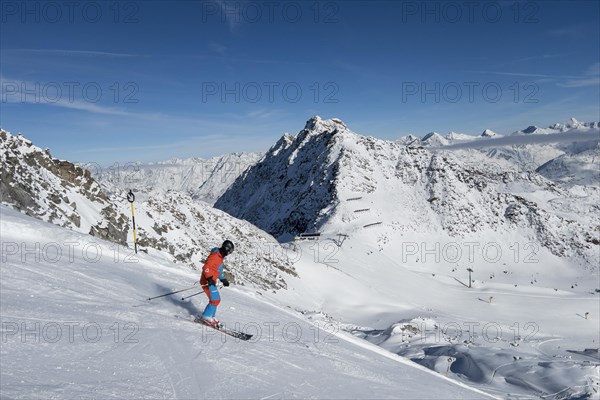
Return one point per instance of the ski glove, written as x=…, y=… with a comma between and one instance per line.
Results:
x=210, y=281
x=225, y=282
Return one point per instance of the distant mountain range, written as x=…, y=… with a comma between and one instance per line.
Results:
x=306, y=183
x=201, y=179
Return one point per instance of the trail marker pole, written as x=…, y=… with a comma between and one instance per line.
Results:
x=131, y=199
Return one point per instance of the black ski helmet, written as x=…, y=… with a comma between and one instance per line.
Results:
x=227, y=248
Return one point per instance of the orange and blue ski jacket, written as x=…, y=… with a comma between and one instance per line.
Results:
x=213, y=267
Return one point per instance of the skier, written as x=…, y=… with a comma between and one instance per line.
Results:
x=211, y=271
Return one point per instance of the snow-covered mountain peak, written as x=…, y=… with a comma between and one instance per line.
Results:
x=325, y=134
x=317, y=124
x=535, y=130
x=489, y=133
x=458, y=136
x=17, y=142
x=573, y=123
x=434, y=139
x=306, y=187
x=530, y=129
x=408, y=138
x=301, y=171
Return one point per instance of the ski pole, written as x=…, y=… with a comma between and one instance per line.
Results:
x=167, y=294
x=191, y=295
x=195, y=294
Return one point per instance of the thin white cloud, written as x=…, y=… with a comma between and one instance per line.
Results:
x=218, y=48
x=530, y=75
x=571, y=32
x=541, y=57
x=204, y=146
x=590, y=77
x=18, y=96
x=255, y=115
x=91, y=107
x=262, y=114
x=594, y=69
x=595, y=81
x=66, y=52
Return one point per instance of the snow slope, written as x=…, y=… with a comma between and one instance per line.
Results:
x=579, y=166
x=76, y=325
x=521, y=331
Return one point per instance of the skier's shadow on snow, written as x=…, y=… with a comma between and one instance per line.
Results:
x=176, y=300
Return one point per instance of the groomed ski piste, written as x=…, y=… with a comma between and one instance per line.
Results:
x=76, y=323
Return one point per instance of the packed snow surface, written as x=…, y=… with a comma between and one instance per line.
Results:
x=76, y=324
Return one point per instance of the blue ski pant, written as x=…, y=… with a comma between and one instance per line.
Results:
x=213, y=301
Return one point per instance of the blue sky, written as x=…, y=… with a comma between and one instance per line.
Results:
x=141, y=81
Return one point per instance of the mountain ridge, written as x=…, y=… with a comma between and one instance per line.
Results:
x=302, y=183
x=169, y=224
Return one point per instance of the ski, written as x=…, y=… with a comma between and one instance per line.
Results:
x=227, y=331
x=231, y=332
